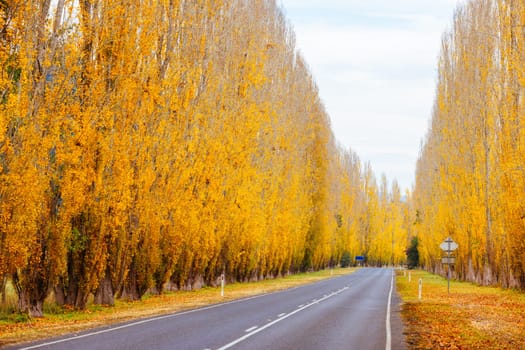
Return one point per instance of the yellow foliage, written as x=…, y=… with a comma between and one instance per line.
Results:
x=158, y=145
x=469, y=177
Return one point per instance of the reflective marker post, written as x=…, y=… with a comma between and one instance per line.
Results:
x=222, y=284
x=420, y=288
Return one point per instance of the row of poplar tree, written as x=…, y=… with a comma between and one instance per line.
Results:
x=470, y=179
x=153, y=145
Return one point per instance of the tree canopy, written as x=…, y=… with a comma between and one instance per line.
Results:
x=470, y=174
x=153, y=145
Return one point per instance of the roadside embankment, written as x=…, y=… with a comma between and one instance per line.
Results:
x=470, y=317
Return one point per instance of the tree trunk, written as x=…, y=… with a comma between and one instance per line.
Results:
x=67, y=291
x=2, y=290
x=104, y=294
x=33, y=307
x=70, y=295
x=60, y=297
x=131, y=290
x=30, y=298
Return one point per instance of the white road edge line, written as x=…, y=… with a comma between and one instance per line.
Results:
x=149, y=320
x=281, y=315
x=238, y=340
x=251, y=329
x=138, y=323
x=388, y=345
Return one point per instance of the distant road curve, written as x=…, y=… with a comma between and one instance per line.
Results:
x=356, y=311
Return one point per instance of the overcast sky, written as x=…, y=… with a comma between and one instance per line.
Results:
x=375, y=63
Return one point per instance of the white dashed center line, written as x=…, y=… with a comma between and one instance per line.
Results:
x=260, y=329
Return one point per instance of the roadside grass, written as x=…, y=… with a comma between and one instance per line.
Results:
x=470, y=317
x=57, y=320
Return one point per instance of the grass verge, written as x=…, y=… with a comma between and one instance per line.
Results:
x=16, y=328
x=470, y=317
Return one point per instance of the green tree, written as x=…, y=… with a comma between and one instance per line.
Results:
x=413, y=254
x=346, y=259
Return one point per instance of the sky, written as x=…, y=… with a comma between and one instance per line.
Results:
x=375, y=64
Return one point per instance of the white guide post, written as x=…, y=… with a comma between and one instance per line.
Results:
x=222, y=284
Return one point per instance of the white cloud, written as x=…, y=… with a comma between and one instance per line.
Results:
x=375, y=62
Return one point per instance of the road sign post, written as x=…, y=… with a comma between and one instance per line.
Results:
x=448, y=246
x=448, y=260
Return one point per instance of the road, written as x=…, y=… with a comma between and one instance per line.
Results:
x=346, y=312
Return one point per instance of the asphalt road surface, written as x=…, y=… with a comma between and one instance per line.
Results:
x=356, y=311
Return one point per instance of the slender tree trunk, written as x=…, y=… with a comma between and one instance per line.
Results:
x=131, y=290
x=60, y=297
x=2, y=290
x=488, y=278
x=105, y=294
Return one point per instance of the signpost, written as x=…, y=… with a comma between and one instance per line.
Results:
x=448, y=260
x=360, y=259
x=448, y=246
